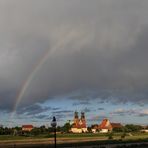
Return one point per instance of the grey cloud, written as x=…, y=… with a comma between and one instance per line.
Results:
x=135, y=112
x=97, y=119
x=103, y=47
x=100, y=108
x=41, y=117
x=62, y=114
x=143, y=114
x=56, y=108
x=62, y=111
x=81, y=103
x=86, y=110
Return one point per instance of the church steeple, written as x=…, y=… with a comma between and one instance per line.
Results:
x=83, y=121
x=76, y=115
x=82, y=116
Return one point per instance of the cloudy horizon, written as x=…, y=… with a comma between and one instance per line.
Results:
x=60, y=56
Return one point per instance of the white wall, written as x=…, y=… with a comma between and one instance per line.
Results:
x=76, y=130
x=104, y=131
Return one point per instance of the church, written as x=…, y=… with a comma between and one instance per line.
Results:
x=79, y=125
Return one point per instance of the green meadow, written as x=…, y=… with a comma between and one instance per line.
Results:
x=131, y=136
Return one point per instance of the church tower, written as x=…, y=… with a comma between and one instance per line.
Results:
x=79, y=124
x=83, y=121
x=76, y=118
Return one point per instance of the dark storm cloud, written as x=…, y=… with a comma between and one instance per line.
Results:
x=33, y=110
x=37, y=111
x=103, y=50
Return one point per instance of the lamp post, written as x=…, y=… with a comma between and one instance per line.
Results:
x=54, y=124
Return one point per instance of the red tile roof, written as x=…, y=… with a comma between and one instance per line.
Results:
x=79, y=124
x=116, y=125
x=27, y=126
x=103, y=124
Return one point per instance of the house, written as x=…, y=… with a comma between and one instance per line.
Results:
x=94, y=128
x=27, y=128
x=144, y=129
x=79, y=125
x=106, y=126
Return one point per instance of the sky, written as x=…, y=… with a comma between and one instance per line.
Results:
x=61, y=56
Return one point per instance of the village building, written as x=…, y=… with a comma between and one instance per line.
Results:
x=79, y=125
x=27, y=128
x=106, y=126
x=144, y=129
x=94, y=128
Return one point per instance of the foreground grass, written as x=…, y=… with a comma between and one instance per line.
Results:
x=73, y=140
x=76, y=136
x=118, y=143
x=9, y=137
x=98, y=135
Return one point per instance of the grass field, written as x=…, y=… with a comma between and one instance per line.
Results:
x=73, y=136
x=78, y=140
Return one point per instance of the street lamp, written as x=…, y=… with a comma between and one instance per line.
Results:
x=54, y=124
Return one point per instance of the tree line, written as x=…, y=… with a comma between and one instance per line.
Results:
x=35, y=131
x=62, y=129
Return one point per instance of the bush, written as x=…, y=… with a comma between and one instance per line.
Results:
x=123, y=135
x=110, y=136
x=120, y=129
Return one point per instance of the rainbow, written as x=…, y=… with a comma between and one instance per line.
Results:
x=47, y=55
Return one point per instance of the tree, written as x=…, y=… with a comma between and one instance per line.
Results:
x=50, y=129
x=120, y=129
x=123, y=135
x=132, y=128
x=110, y=136
x=35, y=131
x=1, y=131
x=8, y=131
x=43, y=129
x=58, y=129
x=66, y=128
x=89, y=129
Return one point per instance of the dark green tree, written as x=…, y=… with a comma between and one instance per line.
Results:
x=132, y=128
x=66, y=128
x=120, y=129
x=110, y=135
x=89, y=129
